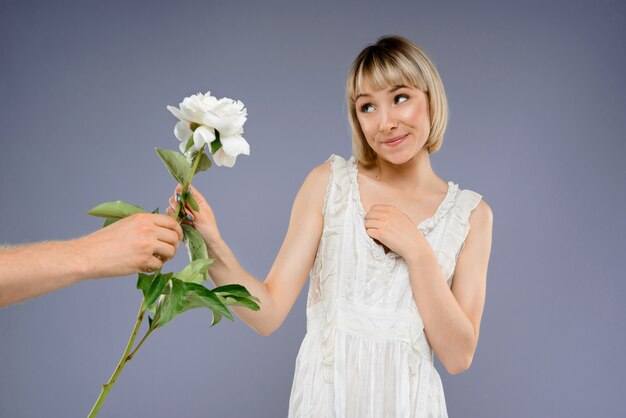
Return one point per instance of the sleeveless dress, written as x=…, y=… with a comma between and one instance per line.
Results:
x=365, y=353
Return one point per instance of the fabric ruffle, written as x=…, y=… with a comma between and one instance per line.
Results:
x=456, y=231
x=427, y=225
x=377, y=250
x=334, y=213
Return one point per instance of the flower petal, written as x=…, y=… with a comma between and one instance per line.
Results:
x=192, y=149
x=231, y=116
x=176, y=112
x=223, y=159
x=182, y=131
x=234, y=145
x=203, y=135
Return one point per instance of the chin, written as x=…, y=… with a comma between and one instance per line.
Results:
x=397, y=158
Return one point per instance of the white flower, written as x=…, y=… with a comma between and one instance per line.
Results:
x=208, y=115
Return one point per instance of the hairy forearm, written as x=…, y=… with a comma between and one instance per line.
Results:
x=227, y=270
x=447, y=327
x=35, y=269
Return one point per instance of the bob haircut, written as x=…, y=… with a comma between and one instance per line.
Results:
x=392, y=61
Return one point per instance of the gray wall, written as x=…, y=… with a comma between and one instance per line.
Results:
x=538, y=100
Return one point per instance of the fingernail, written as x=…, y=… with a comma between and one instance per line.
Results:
x=189, y=218
x=178, y=197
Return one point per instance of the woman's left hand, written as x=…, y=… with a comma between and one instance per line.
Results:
x=393, y=228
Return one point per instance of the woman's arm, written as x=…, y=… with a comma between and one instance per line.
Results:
x=279, y=290
x=125, y=247
x=451, y=316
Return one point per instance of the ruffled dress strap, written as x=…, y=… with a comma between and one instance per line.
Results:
x=456, y=230
x=335, y=203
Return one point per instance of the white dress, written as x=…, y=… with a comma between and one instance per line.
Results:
x=365, y=353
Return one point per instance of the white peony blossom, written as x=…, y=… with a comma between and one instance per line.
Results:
x=201, y=116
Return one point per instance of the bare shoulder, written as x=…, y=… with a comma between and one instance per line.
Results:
x=320, y=174
x=317, y=180
x=481, y=217
x=313, y=190
x=481, y=227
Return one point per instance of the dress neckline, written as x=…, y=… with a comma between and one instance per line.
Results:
x=427, y=224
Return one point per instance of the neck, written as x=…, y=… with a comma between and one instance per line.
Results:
x=414, y=175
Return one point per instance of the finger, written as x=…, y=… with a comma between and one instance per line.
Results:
x=189, y=209
x=179, y=189
x=169, y=236
x=152, y=265
x=373, y=223
x=374, y=216
x=373, y=233
x=163, y=252
x=168, y=223
x=196, y=194
x=173, y=209
x=164, y=221
x=381, y=206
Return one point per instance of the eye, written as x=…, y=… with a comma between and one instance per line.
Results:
x=400, y=98
x=367, y=108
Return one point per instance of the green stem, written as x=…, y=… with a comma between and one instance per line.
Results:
x=106, y=388
x=194, y=167
x=145, y=337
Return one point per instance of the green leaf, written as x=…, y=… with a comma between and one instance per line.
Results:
x=156, y=288
x=232, y=289
x=237, y=295
x=199, y=296
x=181, y=297
x=117, y=209
x=216, y=319
x=192, y=202
x=177, y=165
x=204, y=163
x=156, y=211
x=216, y=145
x=173, y=303
x=196, y=247
x=150, y=321
x=189, y=143
x=239, y=301
x=109, y=221
x=144, y=281
x=195, y=271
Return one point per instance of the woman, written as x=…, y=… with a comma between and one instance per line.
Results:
x=381, y=237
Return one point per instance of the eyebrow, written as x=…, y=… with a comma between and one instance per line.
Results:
x=391, y=90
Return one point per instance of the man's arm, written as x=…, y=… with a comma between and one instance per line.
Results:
x=141, y=242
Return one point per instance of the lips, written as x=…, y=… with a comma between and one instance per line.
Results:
x=395, y=140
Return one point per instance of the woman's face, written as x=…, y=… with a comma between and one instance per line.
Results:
x=394, y=120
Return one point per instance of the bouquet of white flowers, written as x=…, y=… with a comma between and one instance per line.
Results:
x=205, y=122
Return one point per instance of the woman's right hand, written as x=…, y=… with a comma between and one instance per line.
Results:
x=203, y=219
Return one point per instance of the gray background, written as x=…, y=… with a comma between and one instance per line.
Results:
x=538, y=103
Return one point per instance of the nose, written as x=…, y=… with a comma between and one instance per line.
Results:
x=387, y=121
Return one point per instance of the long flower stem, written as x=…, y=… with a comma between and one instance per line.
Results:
x=145, y=337
x=106, y=388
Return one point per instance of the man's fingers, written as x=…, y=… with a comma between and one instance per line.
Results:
x=168, y=236
x=163, y=252
x=152, y=265
x=165, y=221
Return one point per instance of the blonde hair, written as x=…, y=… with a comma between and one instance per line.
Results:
x=391, y=61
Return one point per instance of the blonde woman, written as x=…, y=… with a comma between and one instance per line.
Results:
x=397, y=257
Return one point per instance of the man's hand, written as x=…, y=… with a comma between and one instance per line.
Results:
x=139, y=243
